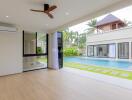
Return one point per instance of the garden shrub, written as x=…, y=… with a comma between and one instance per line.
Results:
x=39, y=50
x=70, y=52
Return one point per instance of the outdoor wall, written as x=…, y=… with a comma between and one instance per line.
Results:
x=10, y=53
x=115, y=36
x=106, y=27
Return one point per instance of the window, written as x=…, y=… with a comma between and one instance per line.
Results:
x=41, y=43
x=34, y=51
x=90, y=50
x=114, y=26
x=102, y=50
x=34, y=44
x=123, y=50
x=29, y=43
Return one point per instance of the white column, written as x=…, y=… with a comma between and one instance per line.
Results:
x=53, y=52
x=116, y=51
x=130, y=48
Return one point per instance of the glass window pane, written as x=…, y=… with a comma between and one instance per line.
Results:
x=102, y=51
x=123, y=50
x=31, y=63
x=90, y=50
x=41, y=43
x=29, y=43
x=34, y=44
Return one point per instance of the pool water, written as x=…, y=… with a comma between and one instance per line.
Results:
x=97, y=62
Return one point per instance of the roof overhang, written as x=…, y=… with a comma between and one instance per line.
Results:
x=106, y=10
x=80, y=11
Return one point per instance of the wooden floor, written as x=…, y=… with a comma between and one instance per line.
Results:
x=58, y=85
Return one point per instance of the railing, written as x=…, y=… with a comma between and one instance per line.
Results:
x=105, y=32
x=116, y=35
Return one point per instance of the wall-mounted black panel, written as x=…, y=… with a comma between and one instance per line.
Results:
x=60, y=48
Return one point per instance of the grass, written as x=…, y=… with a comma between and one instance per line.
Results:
x=42, y=60
x=101, y=70
x=96, y=69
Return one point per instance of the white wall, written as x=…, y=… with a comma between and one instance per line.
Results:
x=10, y=53
x=116, y=36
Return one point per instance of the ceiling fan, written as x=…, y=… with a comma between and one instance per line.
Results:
x=47, y=10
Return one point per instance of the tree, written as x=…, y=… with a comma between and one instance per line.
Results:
x=128, y=23
x=91, y=26
x=66, y=37
x=41, y=36
x=74, y=40
x=82, y=39
x=70, y=38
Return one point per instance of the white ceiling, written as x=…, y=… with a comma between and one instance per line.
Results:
x=19, y=12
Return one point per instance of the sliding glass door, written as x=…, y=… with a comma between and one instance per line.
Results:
x=90, y=50
x=34, y=51
x=109, y=50
x=123, y=50
x=102, y=50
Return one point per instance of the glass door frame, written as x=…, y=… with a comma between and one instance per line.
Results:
x=36, y=54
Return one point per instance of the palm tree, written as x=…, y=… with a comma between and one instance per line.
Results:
x=66, y=37
x=70, y=38
x=75, y=38
x=91, y=26
x=82, y=40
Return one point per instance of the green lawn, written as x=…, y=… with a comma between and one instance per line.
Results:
x=101, y=70
x=42, y=59
x=96, y=69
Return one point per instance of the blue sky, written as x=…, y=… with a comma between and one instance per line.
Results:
x=125, y=13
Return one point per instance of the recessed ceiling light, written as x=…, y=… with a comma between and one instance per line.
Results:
x=67, y=13
x=7, y=16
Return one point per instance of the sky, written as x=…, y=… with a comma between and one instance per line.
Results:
x=125, y=13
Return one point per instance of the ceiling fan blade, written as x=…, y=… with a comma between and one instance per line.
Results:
x=50, y=15
x=37, y=10
x=52, y=8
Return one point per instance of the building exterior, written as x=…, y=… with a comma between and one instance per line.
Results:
x=110, y=22
x=112, y=40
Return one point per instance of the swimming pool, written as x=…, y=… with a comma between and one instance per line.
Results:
x=97, y=62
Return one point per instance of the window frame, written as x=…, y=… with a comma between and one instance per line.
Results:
x=88, y=50
x=119, y=50
x=107, y=48
x=36, y=54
